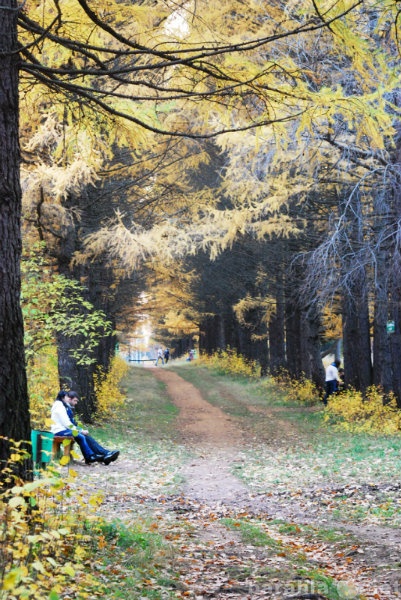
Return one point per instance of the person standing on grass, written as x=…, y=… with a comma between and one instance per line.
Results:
x=332, y=380
x=159, y=357
x=64, y=423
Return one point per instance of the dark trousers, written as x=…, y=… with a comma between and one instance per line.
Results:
x=331, y=388
x=95, y=446
x=88, y=444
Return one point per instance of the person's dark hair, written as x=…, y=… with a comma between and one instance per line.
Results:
x=61, y=395
x=337, y=363
x=72, y=394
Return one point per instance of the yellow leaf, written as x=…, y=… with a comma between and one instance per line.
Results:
x=10, y=580
x=17, y=501
x=68, y=570
x=80, y=553
x=38, y=566
x=64, y=460
x=33, y=485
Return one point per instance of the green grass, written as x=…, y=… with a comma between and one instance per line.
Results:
x=251, y=533
x=147, y=415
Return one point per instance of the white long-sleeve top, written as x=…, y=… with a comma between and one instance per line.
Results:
x=60, y=418
x=332, y=373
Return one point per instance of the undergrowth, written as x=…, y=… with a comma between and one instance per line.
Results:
x=45, y=545
x=369, y=413
x=54, y=542
x=43, y=383
x=109, y=394
x=229, y=361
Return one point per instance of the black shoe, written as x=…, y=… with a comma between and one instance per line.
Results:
x=94, y=458
x=111, y=457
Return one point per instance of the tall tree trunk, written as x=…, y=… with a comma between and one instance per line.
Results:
x=382, y=365
x=76, y=377
x=355, y=305
x=277, y=332
x=356, y=336
x=212, y=334
x=14, y=405
x=396, y=341
x=311, y=360
x=293, y=339
x=395, y=307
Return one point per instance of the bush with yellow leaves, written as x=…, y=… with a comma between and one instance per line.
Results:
x=43, y=384
x=107, y=388
x=230, y=362
x=302, y=390
x=44, y=545
x=369, y=413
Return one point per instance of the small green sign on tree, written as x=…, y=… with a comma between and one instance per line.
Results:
x=390, y=326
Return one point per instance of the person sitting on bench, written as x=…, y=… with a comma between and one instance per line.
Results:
x=64, y=424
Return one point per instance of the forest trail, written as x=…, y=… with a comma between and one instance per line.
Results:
x=215, y=560
x=213, y=438
x=217, y=443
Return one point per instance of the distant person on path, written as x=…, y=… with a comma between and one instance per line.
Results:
x=166, y=355
x=62, y=416
x=332, y=380
x=159, y=357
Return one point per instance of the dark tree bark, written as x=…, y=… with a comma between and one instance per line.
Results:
x=303, y=330
x=355, y=302
x=356, y=336
x=311, y=360
x=382, y=364
x=395, y=341
x=395, y=289
x=14, y=406
x=212, y=334
x=76, y=377
x=293, y=339
x=277, y=338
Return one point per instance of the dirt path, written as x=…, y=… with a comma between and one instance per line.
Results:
x=216, y=442
x=212, y=437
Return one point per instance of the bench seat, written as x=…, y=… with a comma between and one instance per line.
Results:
x=60, y=448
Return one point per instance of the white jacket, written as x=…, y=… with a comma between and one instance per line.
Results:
x=60, y=418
